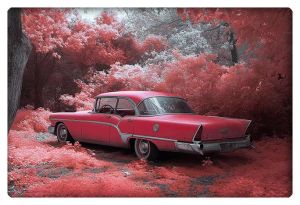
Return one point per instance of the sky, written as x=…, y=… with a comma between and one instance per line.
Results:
x=89, y=14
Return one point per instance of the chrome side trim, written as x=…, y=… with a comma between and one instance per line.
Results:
x=196, y=133
x=124, y=136
x=247, y=126
x=90, y=121
x=154, y=138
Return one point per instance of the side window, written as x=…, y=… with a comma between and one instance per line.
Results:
x=148, y=108
x=106, y=105
x=97, y=105
x=124, y=108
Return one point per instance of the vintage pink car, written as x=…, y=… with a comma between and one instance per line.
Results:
x=150, y=122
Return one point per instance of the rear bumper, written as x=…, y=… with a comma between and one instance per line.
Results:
x=51, y=129
x=210, y=147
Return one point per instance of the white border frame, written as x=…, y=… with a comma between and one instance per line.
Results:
x=6, y=4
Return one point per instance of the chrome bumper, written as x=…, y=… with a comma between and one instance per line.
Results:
x=51, y=129
x=209, y=147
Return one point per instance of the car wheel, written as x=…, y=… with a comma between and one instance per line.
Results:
x=145, y=149
x=63, y=134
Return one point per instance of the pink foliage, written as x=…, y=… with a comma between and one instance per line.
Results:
x=153, y=43
x=266, y=25
x=105, y=18
x=28, y=119
x=26, y=150
x=92, y=186
x=66, y=48
x=240, y=186
x=46, y=28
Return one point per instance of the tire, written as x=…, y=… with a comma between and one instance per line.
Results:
x=145, y=149
x=63, y=134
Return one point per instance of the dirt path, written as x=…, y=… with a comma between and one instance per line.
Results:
x=38, y=166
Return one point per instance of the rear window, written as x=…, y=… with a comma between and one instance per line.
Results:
x=163, y=105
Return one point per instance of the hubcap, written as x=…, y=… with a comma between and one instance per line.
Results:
x=144, y=147
x=63, y=133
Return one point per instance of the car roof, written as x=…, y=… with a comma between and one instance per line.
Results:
x=136, y=96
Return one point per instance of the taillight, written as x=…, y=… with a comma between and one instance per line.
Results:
x=197, y=136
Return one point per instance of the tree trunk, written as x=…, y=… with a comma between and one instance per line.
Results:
x=233, y=49
x=18, y=52
x=38, y=87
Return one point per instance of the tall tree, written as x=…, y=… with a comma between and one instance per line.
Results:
x=66, y=47
x=18, y=51
x=47, y=30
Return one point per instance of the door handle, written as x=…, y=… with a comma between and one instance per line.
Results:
x=108, y=116
x=129, y=120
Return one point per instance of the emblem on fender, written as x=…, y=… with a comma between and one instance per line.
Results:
x=156, y=127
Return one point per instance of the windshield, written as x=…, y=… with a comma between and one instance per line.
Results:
x=163, y=105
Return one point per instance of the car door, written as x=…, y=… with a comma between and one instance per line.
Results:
x=96, y=128
x=122, y=121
